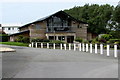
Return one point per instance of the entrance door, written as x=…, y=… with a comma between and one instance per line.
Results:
x=70, y=39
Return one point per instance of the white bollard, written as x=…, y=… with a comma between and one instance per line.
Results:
x=61, y=46
x=83, y=47
x=101, y=48
x=36, y=44
x=32, y=44
x=108, y=50
x=69, y=46
x=80, y=47
x=115, y=50
x=74, y=47
x=41, y=45
x=86, y=47
x=95, y=48
x=29, y=45
x=53, y=45
x=65, y=46
x=48, y=45
x=90, y=48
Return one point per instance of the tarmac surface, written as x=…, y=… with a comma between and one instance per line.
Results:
x=48, y=63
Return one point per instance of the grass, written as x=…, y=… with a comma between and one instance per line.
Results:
x=15, y=43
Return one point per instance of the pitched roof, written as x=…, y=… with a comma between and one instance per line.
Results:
x=44, y=18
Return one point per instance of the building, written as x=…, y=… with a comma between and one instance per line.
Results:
x=8, y=29
x=58, y=26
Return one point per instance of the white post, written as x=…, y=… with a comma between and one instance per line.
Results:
x=108, y=49
x=115, y=50
x=86, y=47
x=65, y=46
x=41, y=45
x=101, y=48
x=90, y=48
x=53, y=45
x=32, y=44
x=80, y=47
x=69, y=46
x=36, y=44
x=95, y=48
x=83, y=47
x=74, y=47
x=61, y=46
x=48, y=45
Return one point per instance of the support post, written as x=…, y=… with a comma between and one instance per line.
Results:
x=48, y=45
x=41, y=45
x=90, y=48
x=80, y=47
x=101, y=48
x=108, y=49
x=69, y=46
x=65, y=46
x=32, y=44
x=74, y=47
x=36, y=44
x=95, y=48
x=115, y=51
x=53, y=45
x=61, y=46
x=86, y=47
x=83, y=47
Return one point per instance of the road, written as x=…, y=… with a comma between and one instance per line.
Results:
x=48, y=63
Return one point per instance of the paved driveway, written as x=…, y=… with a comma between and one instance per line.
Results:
x=49, y=63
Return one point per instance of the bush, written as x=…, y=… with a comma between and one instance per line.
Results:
x=22, y=39
x=114, y=40
x=40, y=40
x=4, y=37
x=57, y=41
x=106, y=37
x=79, y=39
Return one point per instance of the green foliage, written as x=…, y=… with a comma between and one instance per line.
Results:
x=96, y=16
x=22, y=39
x=4, y=37
x=106, y=37
x=79, y=39
x=57, y=41
x=40, y=40
x=114, y=40
x=14, y=43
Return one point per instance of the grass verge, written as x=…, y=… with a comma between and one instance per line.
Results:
x=15, y=43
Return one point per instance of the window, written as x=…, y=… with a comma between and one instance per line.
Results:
x=79, y=26
x=61, y=38
x=37, y=26
x=52, y=37
x=13, y=28
x=8, y=28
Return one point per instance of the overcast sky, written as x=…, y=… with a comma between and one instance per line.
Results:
x=25, y=11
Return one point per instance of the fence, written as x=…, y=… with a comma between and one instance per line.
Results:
x=91, y=48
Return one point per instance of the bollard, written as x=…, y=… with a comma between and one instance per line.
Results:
x=95, y=48
x=108, y=49
x=29, y=45
x=74, y=47
x=36, y=45
x=115, y=50
x=65, y=46
x=48, y=45
x=61, y=46
x=32, y=44
x=83, y=47
x=53, y=45
x=86, y=47
x=101, y=48
x=90, y=48
x=41, y=45
x=69, y=46
x=80, y=47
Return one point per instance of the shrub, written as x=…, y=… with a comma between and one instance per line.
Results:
x=79, y=39
x=57, y=41
x=106, y=37
x=40, y=40
x=4, y=37
x=22, y=39
x=114, y=40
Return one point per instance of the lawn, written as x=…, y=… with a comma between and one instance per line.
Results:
x=14, y=43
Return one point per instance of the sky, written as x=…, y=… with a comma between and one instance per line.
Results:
x=20, y=12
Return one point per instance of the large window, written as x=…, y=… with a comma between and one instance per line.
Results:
x=61, y=38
